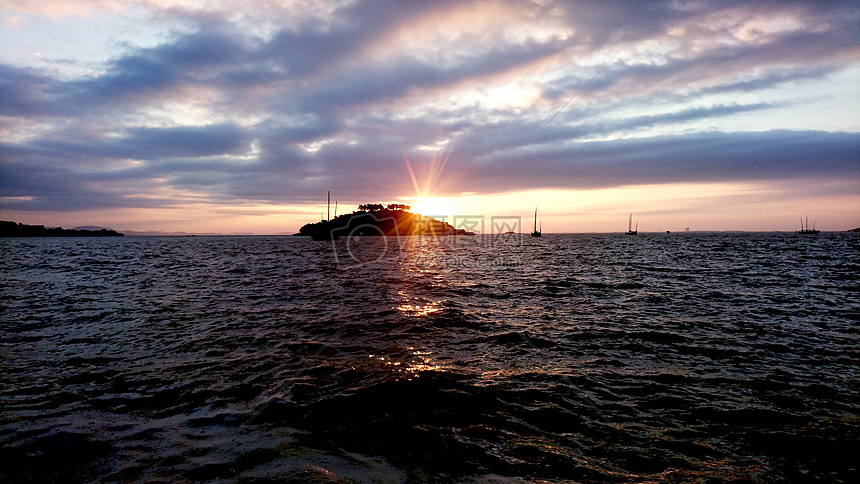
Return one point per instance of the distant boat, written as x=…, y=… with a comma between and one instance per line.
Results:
x=326, y=231
x=630, y=230
x=537, y=232
x=805, y=230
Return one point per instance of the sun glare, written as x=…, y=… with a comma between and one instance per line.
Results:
x=432, y=206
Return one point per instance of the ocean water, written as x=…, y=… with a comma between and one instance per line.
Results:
x=693, y=357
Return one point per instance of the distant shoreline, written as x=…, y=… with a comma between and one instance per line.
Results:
x=12, y=229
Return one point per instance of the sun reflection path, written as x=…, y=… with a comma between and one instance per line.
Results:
x=416, y=310
x=419, y=360
x=422, y=360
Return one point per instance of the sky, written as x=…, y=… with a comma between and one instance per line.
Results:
x=238, y=117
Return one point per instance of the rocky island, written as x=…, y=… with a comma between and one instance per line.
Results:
x=376, y=219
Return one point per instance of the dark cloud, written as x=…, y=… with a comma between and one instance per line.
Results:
x=703, y=157
x=147, y=144
x=23, y=92
x=154, y=143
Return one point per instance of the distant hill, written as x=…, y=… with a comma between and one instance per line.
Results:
x=854, y=230
x=12, y=229
x=159, y=233
x=90, y=227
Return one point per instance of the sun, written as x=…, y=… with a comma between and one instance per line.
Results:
x=432, y=206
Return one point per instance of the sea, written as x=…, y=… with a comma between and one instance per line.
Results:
x=677, y=357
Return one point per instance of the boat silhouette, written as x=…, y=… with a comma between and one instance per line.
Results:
x=326, y=229
x=537, y=232
x=630, y=230
x=805, y=230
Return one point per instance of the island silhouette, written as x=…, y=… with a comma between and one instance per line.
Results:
x=12, y=229
x=376, y=219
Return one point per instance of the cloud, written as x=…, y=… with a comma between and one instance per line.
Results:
x=699, y=157
x=24, y=92
x=149, y=144
x=188, y=118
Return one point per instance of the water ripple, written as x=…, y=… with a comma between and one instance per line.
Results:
x=588, y=358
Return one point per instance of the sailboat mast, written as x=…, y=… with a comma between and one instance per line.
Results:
x=328, y=207
x=535, y=219
x=630, y=223
x=335, y=209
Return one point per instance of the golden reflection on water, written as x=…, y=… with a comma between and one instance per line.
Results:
x=422, y=362
x=417, y=310
x=426, y=254
x=416, y=307
x=419, y=256
x=419, y=360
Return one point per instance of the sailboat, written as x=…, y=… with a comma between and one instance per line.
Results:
x=630, y=230
x=805, y=230
x=536, y=232
x=324, y=230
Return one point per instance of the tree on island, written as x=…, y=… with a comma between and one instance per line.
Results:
x=378, y=207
